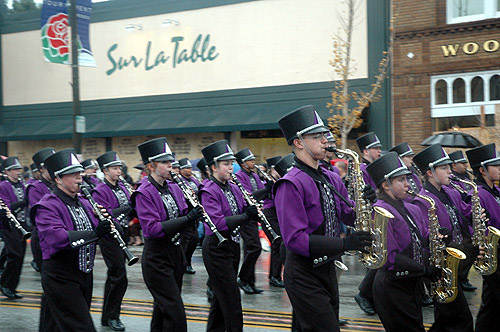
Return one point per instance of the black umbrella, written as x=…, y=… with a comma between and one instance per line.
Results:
x=452, y=139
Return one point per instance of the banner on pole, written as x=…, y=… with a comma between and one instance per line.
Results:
x=55, y=32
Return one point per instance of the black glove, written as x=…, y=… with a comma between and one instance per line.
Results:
x=369, y=194
x=195, y=213
x=252, y=212
x=269, y=186
x=433, y=273
x=357, y=241
x=103, y=228
x=446, y=233
x=3, y=214
x=18, y=204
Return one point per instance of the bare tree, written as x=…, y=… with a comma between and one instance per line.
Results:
x=344, y=119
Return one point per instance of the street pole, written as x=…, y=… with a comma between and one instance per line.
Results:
x=77, y=137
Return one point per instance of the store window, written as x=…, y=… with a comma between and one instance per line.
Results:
x=459, y=11
x=462, y=100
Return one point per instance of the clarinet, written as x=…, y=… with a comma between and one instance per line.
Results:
x=268, y=177
x=26, y=235
x=127, y=185
x=190, y=196
x=251, y=201
x=114, y=232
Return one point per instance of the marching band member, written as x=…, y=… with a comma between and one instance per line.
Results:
x=406, y=154
x=114, y=197
x=485, y=163
x=226, y=207
x=189, y=236
x=459, y=169
x=310, y=203
x=397, y=288
x=68, y=231
x=90, y=179
x=453, y=214
x=163, y=213
x=12, y=193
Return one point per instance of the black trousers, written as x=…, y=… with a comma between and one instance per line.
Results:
x=35, y=248
x=116, y=281
x=454, y=316
x=313, y=293
x=366, y=285
x=189, y=240
x=68, y=293
x=398, y=302
x=222, y=263
x=487, y=318
x=276, y=259
x=251, y=250
x=15, y=248
x=3, y=257
x=163, y=266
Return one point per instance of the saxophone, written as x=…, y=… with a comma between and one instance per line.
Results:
x=377, y=226
x=488, y=264
x=445, y=289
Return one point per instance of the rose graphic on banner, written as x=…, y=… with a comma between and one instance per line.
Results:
x=55, y=32
x=55, y=39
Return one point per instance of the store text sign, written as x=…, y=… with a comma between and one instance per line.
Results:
x=180, y=53
x=470, y=48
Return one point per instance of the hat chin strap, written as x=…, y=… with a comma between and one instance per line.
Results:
x=391, y=189
x=486, y=173
x=66, y=187
x=434, y=174
x=299, y=135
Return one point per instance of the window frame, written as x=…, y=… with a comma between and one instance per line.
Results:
x=491, y=10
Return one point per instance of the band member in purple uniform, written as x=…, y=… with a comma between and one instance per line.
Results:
x=204, y=170
x=12, y=193
x=485, y=163
x=250, y=230
x=226, y=207
x=68, y=231
x=163, y=213
x=397, y=289
x=310, y=203
x=35, y=172
x=35, y=190
x=459, y=169
x=330, y=155
x=114, y=197
x=189, y=236
x=406, y=154
x=453, y=214
x=90, y=179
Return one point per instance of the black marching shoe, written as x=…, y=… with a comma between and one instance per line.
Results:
x=35, y=267
x=190, y=270
x=245, y=286
x=276, y=282
x=342, y=322
x=426, y=300
x=9, y=293
x=364, y=304
x=115, y=324
x=467, y=286
x=255, y=289
x=210, y=294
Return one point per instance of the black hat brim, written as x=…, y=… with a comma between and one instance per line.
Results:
x=71, y=170
x=320, y=129
x=493, y=163
x=167, y=157
x=444, y=162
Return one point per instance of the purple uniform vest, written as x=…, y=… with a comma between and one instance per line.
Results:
x=366, y=177
x=103, y=195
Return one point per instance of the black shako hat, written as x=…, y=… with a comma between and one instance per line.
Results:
x=482, y=156
x=302, y=121
x=272, y=161
x=155, y=150
x=40, y=156
x=431, y=157
x=285, y=164
x=368, y=141
x=388, y=166
x=458, y=157
x=88, y=163
x=217, y=151
x=202, y=165
x=11, y=163
x=185, y=163
x=63, y=162
x=403, y=150
x=244, y=155
x=33, y=168
x=109, y=159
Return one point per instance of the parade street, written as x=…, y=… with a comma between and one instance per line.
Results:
x=269, y=311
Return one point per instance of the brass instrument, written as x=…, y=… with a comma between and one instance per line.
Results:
x=26, y=235
x=191, y=197
x=488, y=264
x=251, y=201
x=447, y=259
x=127, y=185
x=376, y=255
x=457, y=187
x=114, y=232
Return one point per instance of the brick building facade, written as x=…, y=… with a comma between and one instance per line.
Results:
x=446, y=72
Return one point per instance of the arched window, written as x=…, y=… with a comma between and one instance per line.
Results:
x=495, y=87
x=477, y=89
x=441, y=92
x=459, y=91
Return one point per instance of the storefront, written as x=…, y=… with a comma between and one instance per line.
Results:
x=195, y=71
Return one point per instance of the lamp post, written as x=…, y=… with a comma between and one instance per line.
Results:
x=77, y=136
